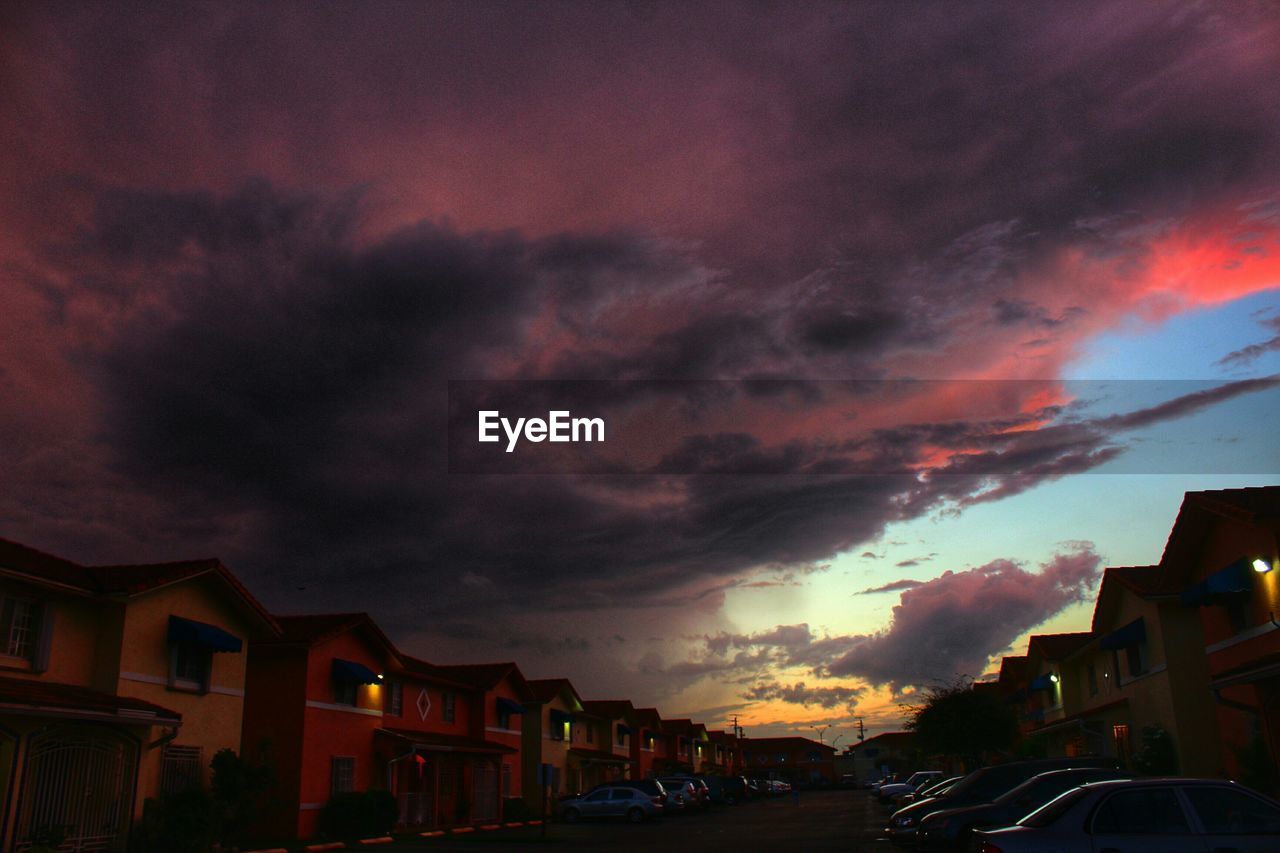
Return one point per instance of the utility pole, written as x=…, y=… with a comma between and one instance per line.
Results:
x=862, y=731
x=737, y=729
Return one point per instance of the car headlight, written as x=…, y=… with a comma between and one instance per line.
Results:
x=904, y=822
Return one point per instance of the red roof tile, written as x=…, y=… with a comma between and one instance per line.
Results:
x=889, y=740
x=608, y=708
x=1058, y=646
x=546, y=689
x=40, y=566
x=29, y=695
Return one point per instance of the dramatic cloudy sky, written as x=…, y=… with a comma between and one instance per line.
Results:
x=915, y=316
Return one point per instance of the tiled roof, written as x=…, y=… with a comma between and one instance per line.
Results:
x=546, y=689
x=314, y=629
x=1144, y=580
x=29, y=695
x=1058, y=646
x=41, y=566
x=889, y=740
x=1012, y=668
x=608, y=708
x=782, y=742
x=483, y=675
x=1195, y=518
x=123, y=579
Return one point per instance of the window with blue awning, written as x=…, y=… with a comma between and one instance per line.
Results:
x=1041, y=683
x=350, y=672
x=189, y=632
x=560, y=717
x=1222, y=586
x=510, y=706
x=1122, y=638
x=624, y=729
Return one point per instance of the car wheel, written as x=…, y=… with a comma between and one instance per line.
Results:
x=571, y=815
x=635, y=815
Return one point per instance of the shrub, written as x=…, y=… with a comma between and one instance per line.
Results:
x=514, y=808
x=359, y=814
x=176, y=823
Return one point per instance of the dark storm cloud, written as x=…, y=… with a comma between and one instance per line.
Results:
x=801, y=694
x=842, y=191
x=1252, y=352
x=892, y=586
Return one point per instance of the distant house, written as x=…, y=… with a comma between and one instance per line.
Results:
x=798, y=760
x=1042, y=701
x=725, y=757
x=649, y=748
x=889, y=752
x=687, y=751
x=610, y=725
x=117, y=684
x=1222, y=562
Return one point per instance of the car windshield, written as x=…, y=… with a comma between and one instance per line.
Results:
x=1054, y=809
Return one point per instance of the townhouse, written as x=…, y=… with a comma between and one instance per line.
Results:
x=888, y=752
x=649, y=746
x=798, y=760
x=550, y=712
x=118, y=684
x=609, y=726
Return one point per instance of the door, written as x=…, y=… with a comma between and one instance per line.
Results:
x=596, y=804
x=484, y=800
x=80, y=780
x=1144, y=820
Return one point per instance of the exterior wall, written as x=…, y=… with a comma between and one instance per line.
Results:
x=1243, y=712
x=275, y=705
x=85, y=640
x=788, y=761
x=511, y=736
x=210, y=720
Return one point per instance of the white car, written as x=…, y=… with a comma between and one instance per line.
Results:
x=918, y=779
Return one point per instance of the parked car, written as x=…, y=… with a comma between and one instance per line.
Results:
x=950, y=829
x=681, y=793
x=729, y=790
x=613, y=801
x=777, y=787
x=925, y=792
x=917, y=779
x=1145, y=816
x=884, y=780
x=981, y=786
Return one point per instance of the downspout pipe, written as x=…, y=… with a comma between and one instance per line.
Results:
x=1239, y=706
x=391, y=767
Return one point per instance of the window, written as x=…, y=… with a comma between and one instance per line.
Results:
x=1120, y=734
x=1238, y=614
x=19, y=621
x=1136, y=658
x=344, y=693
x=1091, y=673
x=506, y=779
x=559, y=728
x=591, y=733
x=623, y=794
x=1142, y=811
x=189, y=667
x=342, y=778
x=622, y=736
x=181, y=768
x=450, y=707
x=393, y=702
x=504, y=718
x=599, y=796
x=1228, y=811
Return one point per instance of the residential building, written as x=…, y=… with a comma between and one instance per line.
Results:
x=1222, y=561
x=117, y=684
x=798, y=760
x=875, y=757
x=649, y=749
x=550, y=712
x=610, y=726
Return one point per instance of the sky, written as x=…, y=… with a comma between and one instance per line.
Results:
x=902, y=316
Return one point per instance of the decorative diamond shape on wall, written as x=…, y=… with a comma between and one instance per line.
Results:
x=424, y=704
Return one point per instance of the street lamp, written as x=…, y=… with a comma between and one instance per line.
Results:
x=821, y=730
x=836, y=741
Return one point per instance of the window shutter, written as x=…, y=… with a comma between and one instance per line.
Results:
x=44, y=643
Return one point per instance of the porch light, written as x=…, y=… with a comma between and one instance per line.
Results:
x=1261, y=566
x=379, y=676
x=1053, y=676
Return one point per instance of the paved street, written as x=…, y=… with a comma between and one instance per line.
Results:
x=823, y=821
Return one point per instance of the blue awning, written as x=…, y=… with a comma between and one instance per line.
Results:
x=559, y=717
x=1224, y=584
x=1041, y=683
x=189, y=632
x=624, y=729
x=1122, y=638
x=510, y=706
x=350, y=672
x=649, y=734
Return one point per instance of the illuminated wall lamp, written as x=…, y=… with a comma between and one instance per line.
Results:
x=1053, y=676
x=1261, y=566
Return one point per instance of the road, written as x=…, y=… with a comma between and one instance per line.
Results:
x=822, y=821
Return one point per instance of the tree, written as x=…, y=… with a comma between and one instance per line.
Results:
x=957, y=719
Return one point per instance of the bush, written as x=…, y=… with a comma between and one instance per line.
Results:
x=1157, y=755
x=359, y=814
x=514, y=808
x=176, y=823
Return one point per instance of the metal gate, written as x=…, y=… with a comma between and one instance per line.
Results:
x=78, y=781
x=484, y=803
x=417, y=809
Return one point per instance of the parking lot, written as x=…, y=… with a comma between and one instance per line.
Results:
x=842, y=820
